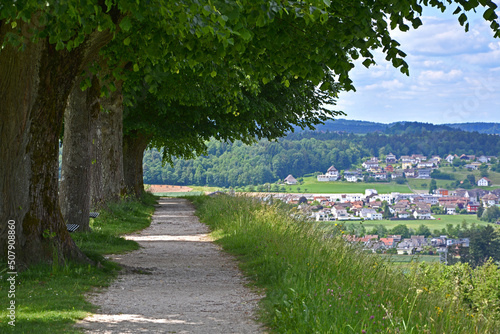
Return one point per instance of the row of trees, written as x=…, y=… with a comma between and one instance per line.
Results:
x=122, y=75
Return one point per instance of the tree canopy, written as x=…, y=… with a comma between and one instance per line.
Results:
x=47, y=45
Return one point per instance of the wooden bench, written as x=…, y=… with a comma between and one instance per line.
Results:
x=74, y=227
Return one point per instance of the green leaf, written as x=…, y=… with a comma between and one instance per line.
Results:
x=126, y=41
x=489, y=14
x=213, y=74
x=462, y=18
x=327, y=2
x=126, y=24
x=367, y=62
x=246, y=35
x=136, y=68
x=59, y=45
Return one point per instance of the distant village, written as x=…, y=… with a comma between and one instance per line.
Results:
x=414, y=166
x=371, y=205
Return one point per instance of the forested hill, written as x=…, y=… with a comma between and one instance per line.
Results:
x=362, y=127
x=490, y=128
x=236, y=164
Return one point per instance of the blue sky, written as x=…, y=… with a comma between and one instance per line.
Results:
x=454, y=76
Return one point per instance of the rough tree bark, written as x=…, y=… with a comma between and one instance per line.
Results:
x=107, y=151
x=134, y=145
x=34, y=87
x=74, y=188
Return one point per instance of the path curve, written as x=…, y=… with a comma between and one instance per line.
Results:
x=178, y=282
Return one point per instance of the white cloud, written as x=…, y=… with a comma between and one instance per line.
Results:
x=440, y=75
x=432, y=63
x=388, y=85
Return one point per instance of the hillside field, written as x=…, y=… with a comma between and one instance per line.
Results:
x=312, y=185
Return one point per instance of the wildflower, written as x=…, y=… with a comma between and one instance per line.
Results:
x=371, y=317
x=363, y=331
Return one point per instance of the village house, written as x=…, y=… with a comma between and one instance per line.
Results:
x=483, y=159
x=401, y=205
x=388, y=242
x=489, y=200
x=323, y=215
x=331, y=175
x=370, y=165
x=470, y=167
x=410, y=172
x=412, y=245
x=450, y=209
x=472, y=207
x=422, y=214
x=290, y=180
x=406, y=165
x=460, y=192
x=461, y=202
x=424, y=174
x=467, y=157
x=484, y=182
x=450, y=158
x=425, y=164
x=389, y=168
x=382, y=175
x=418, y=158
x=339, y=213
x=430, y=199
x=370, y=214
x=390, y=159
x=352, y=176
x=404, y=215
x=396, y=174
x=442, y=191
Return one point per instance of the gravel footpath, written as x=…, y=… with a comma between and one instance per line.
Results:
x=178, y=282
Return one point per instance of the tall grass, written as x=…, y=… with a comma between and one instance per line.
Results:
x=320, y=284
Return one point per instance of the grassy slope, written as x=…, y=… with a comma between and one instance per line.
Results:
x=318, y=285
x=49, y=298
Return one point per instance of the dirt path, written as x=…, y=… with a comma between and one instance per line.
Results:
x=192, y=287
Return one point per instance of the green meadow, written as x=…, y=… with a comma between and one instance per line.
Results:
x=312, y=185
x=439, y=223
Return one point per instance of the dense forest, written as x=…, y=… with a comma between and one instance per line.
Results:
x=306, y=152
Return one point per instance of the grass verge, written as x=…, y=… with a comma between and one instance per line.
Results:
x=50, y=299
x=315, y=284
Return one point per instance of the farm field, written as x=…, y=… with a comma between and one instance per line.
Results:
x=312, y=185
x=439, y=223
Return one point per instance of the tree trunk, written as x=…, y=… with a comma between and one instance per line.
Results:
x=134, y=145
x=74, y=188
x=34, y=87
x=107, y=152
